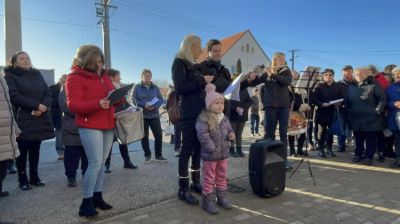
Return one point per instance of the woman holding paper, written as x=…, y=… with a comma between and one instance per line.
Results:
x=87, y=88
x=148, y=96
x=325, y=92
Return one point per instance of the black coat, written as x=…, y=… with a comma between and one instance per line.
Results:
x=245, y=103
x=365, y=105
x=276, y=88
x=324, y=93
x=189, y=85
x=70, y=133
x=55, y=108
x=27, y=90
x=222, y=77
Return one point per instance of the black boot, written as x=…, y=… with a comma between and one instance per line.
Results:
x=292, y=151
x=123, y=149
x=331, y=153
x=381, y=158
x=3, y=193
x=35, y=180
x=240, y=152
x=107, y=168
x=184, y=193
x=11, y=167
x=99, y=202
x=23, y=181
x=232, y=152
x=322, y=152
x=87, y=208
x=196, y=185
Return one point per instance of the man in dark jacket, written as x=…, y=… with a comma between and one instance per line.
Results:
x=347, y=81
x=56, y=114
x=212, y=65
x=325, y=92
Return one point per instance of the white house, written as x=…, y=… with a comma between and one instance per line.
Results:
x=241, y=46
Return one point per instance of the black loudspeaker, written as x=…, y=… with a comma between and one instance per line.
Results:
x=267, y=170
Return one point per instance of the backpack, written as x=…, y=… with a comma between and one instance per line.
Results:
x=173, y=107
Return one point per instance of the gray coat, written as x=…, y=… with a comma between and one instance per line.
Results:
x=214, y=144
x=70, y=134
x=365, y=106
x=8, y=127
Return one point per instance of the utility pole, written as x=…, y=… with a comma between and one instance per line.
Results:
x=12, y=27
x=103, y=12
x=293, y=57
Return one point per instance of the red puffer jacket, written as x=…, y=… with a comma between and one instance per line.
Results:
x=84, y=91
x=380, y=78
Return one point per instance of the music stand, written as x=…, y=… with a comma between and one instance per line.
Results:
x=307, y=81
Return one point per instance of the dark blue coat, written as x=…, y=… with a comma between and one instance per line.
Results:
x=393, y=95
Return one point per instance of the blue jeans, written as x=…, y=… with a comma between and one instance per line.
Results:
x=254, y=121
x=97, y=145
x=272, y=117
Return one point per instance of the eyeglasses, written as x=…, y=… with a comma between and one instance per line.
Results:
x=328, y=74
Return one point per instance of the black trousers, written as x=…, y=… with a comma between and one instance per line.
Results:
x=238, y=127
x=72, y=155
x=190, y=148
x=370, y=140
x=123, y=149
x=323, y=136
x=155, y=126
x=3, y=172
x=31, y=150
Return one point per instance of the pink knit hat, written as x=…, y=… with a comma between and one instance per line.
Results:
x=211, y=95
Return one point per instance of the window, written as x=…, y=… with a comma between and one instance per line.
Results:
x=252, y=50
x=242, y=48
x=247, y=48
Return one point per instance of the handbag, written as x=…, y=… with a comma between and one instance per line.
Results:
x=169, y=129
x=129, y=125
x=336, y=126
x=174, y=108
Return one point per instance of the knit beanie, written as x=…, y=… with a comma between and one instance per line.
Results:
x=211, y=95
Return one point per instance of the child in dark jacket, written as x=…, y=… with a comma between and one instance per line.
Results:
x=214, y=133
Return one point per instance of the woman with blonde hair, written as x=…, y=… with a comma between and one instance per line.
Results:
x=87, y=88
x=189, y=85
x=276, y=101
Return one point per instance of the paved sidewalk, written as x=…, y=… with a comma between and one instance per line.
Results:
x=345, y=193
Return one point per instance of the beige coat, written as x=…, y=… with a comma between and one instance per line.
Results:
x=8, y=127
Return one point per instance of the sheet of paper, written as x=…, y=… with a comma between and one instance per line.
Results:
x=233, y=90
x=335, y=101
x=152, y=102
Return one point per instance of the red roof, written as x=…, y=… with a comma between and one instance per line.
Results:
x=226, y=44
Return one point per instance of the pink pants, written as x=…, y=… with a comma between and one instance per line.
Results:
x=214, y=174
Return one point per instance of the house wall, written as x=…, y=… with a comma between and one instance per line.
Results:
x=250, y=59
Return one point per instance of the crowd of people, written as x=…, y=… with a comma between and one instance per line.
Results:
x=76, y=111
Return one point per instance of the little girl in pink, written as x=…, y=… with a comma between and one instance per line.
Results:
x=214, y=133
